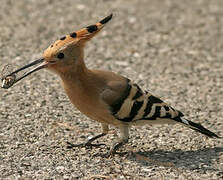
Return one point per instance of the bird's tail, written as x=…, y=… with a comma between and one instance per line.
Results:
x=197, y=127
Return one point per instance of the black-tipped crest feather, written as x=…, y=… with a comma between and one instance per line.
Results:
x=105, y=20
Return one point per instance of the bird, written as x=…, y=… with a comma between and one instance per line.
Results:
x=103, y=96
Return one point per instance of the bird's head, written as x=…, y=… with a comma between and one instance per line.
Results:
x=62, y=54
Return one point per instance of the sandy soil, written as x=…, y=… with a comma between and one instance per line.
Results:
x=172, y=48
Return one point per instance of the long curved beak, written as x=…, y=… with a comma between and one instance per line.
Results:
x=11, y=79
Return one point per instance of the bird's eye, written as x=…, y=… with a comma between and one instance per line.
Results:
x=60, y=55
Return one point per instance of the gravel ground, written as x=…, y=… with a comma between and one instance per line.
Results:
x=171, y=47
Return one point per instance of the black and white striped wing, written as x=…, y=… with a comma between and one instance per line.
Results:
x=136, y=104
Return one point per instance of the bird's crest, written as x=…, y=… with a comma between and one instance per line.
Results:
x=78, y=37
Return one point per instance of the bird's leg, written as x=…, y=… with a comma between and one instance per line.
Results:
x=89, y=142
x=124, y=136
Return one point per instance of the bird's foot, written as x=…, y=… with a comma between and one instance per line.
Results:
x=87, y=144
x=114, y=149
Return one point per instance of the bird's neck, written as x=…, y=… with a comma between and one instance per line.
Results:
x=76, y=73
x=79, y=86
x=78, y=80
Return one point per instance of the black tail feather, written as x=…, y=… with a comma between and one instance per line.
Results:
x=202, y=129
x=197, y=127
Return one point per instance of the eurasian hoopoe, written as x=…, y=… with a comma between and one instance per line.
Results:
x=103, y=96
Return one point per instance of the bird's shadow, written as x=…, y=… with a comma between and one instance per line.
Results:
x=197, y=159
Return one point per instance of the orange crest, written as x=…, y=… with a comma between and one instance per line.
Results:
x=76, y=38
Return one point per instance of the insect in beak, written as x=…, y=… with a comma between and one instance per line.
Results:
x=11, y=79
